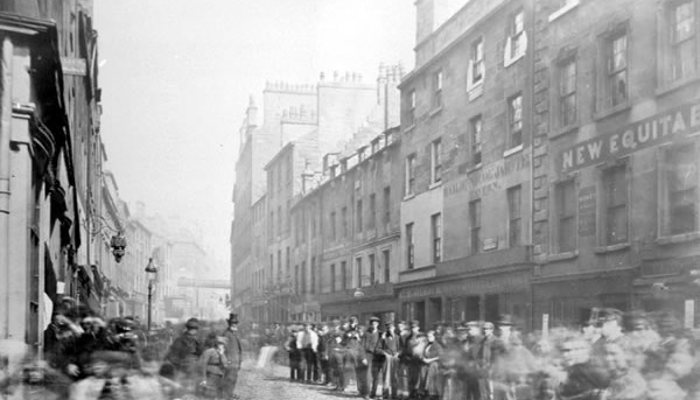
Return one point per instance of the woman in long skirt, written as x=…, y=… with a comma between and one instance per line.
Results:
x=431, y=374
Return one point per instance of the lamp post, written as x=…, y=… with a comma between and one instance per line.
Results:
x=152, y=273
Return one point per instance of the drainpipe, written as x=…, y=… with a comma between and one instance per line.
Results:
x=5, y=133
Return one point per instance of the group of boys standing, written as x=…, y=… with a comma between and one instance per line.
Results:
x=401, y=359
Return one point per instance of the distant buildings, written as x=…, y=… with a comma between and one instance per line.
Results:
x=542, y=166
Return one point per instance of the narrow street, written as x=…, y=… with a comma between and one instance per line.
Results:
x=274, y=383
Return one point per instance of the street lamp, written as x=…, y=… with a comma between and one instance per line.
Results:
x=152, y=272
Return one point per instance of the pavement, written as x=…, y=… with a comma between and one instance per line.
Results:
x=272, y=383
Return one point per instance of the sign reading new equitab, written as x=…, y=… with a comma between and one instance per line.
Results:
x=660, y=128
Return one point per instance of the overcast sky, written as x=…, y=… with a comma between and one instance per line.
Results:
x=176, y=76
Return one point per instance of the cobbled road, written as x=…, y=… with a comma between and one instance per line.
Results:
x=273, y=384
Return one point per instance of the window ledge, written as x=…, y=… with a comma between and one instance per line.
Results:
x=673, y=86
x=679, y=238
x=409, y=196
x=513, y=150
x=435, y=185
x=571, y=4
x=475, y=90
x=435, y=111
x=611, y=248
x=626, y=106
x=475, y=168
x=565, y=131
x=568, y=255
x=512, y=60
x=410, y=128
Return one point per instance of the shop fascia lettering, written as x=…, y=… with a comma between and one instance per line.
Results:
x=646, y=133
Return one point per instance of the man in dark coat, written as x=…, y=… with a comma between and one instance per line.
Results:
x=184, y=354
x=234, y=355
x=375, y=359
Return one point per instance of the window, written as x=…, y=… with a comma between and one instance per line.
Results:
x=313, y=225
x=681, y=190
x=436, y=233
x=358, y=270
x=279, y=220
x=567, y=92
x=387, y=204
x=476, y=127
x=288, y=217
x=387, y=265
x=296, y=279
x=303, y=277
x=436, y=161
x=410, y=174
x=475, y=225
x=333, y=227
x=271, y=228
x=437, y=89
x=313, y=275
x=371, y=222
x=517, y=35
x=372, y=276
x=514, y=195
x=411, y=113
x=279, y=266
x=515, y=116
x=332, y=278
x=289, y=260
x=344, y=275
x=617, y=69
x=683, y=51
x=615, y=192
x=344, y=216
x=359, y=216
x=476, y=62
x=409, y=246
x=272, y=261
x=566, y=216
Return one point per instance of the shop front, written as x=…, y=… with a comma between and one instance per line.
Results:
x=377, y=300
x=567, y=300
x=464, y=297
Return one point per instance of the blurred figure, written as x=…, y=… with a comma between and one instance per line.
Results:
x=388, y=345
x=584, y=380
x=626, y=382
x=294, y=352
x=234, y=355
x=60, y=339
x=213, y=363
x=184, y=354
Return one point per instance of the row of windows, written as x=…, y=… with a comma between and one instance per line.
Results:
x=360, y=222
x=677, y=196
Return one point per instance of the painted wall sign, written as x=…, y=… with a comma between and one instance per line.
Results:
x=488, y=178
x=586, y=211
x=500, y=283
x=660, y=128
x=74, y=66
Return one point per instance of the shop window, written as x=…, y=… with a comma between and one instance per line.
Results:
x=616, y=192
x=476, y=125
x=514, y=195
x=566, y=216
x=409, y=246
x=475, y=225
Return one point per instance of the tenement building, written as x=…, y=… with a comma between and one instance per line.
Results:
x=466, y=147
x=616, y=155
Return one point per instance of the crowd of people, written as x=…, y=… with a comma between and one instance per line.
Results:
x=86, y=357
x=611, y=356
